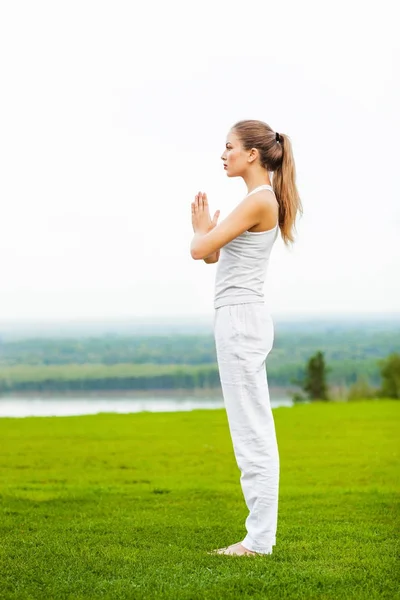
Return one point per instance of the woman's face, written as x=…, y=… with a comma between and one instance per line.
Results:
x=234, y=157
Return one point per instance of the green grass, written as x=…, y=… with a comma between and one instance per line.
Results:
x=127, y=506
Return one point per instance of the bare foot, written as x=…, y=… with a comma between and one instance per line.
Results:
x=236, y=549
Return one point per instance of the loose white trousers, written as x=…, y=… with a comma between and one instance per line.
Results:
x=244, y=335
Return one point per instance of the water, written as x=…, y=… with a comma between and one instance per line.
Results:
x=73, y=405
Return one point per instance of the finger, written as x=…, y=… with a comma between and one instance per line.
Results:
x=216, y=216
x=205, y=200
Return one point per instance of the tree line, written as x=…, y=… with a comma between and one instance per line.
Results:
x=90, y=377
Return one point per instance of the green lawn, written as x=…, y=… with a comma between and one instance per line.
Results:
x=127, y=506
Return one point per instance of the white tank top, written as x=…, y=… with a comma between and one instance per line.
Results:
x=242, y=265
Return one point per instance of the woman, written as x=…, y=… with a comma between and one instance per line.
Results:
x=243, y=327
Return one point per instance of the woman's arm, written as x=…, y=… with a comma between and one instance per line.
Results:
x=206, y=242
x=213, y=258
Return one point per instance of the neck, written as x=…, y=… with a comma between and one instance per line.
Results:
x=254, y=180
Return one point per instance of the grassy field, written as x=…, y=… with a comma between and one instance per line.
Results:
x=127, y=506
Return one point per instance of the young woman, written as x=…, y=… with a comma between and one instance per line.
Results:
x=243, y=327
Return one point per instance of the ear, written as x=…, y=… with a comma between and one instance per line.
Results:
x=253, y=155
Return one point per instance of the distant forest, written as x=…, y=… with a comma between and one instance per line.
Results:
x=143, y=362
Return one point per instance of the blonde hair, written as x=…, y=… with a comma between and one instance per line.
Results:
x=276, y=155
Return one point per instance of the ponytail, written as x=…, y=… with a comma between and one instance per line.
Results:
x=284, y=185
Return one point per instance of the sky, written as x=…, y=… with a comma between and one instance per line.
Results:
x=113, y=115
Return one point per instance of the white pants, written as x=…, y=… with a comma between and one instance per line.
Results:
x=244, y=335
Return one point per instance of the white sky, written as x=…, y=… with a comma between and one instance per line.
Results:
x=114, y=114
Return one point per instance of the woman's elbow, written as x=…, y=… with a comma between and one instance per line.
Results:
x=196, y=251
x=195, y=254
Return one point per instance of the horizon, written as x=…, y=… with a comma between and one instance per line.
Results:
x=172, y=325
x=289, y=315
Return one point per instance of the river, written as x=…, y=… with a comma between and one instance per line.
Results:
x=57, y=405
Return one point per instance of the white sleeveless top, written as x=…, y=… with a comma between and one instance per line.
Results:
x=242, y=265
